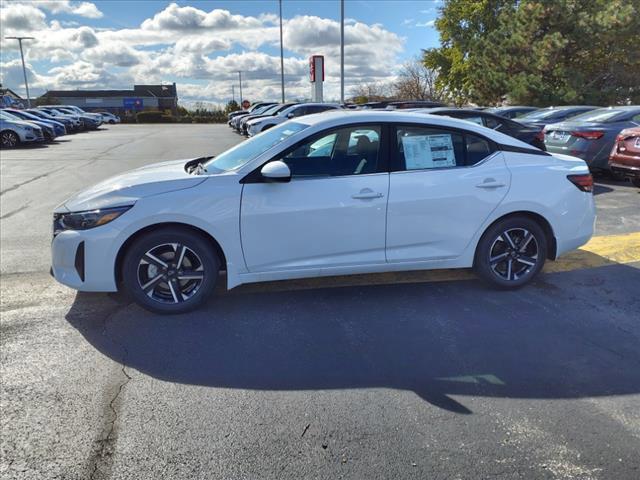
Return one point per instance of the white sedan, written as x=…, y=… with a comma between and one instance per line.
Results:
x=330, y=194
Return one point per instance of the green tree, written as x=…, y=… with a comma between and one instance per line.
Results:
x=231, y=106
x=539, y=52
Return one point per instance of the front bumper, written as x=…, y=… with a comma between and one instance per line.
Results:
x=85, y=260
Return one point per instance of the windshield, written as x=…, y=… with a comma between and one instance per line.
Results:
x=602, y=115
x=8, y=116
x=272, y=109
x=244, y=152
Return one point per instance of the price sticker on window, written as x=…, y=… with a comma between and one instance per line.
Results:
x=428, y=151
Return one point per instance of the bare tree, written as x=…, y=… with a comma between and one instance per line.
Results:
x=370, y=92
x=417, y=82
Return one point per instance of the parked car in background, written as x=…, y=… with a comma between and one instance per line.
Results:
x=260, y=124
x=96, y=118
x=69, y=124
x=16, y=132
x=271, y=111
x=235, y=121
x=332, y=194
x=91, y=121
x=58, y=127
x=591, y=136
x=624, y=160
x=47, y=130
x=528, y=134
x=513, y=111
x=77, y=124
x=544, y=116
x=402, y=105
x=110, y=118
x=251, y=109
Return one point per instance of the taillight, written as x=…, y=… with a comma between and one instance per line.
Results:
x=593, y=135
x=584, y=181
x=540, y=135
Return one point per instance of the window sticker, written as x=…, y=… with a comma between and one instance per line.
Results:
x=428, y=151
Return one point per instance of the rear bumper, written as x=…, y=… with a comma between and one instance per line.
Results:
x=629, y=171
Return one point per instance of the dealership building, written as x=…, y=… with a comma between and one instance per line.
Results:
x=142, y=97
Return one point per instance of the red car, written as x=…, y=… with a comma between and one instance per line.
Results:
x=625, y=156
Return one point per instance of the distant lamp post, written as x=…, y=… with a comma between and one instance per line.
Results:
x=281, y=54
x=24, y=69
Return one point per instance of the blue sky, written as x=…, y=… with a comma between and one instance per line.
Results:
x=201, y=44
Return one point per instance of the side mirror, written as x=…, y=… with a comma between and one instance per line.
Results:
x=290, y=115
x=277, y=171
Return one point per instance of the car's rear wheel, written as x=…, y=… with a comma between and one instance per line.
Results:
x=170, y=271
x=9, y=139
x=511, y=252
x=636, y=181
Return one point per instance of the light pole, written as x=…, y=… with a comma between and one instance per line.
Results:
x=281, y=53
x=24, y=69
x=341, y=51
x=240, y=81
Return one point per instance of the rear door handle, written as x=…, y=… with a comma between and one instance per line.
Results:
x=490, y=184
x=366, y=193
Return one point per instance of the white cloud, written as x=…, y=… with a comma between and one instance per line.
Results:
x=17, y=17
x=187, y=44
x=82, y=9
x=428, y=24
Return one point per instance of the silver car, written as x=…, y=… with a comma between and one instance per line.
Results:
x=591, y=136
x=15, y=132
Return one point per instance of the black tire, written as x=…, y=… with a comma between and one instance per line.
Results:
x=636, y=181
x=112, y=122
x=9, y=139
x=507, y=256
x=140, y=269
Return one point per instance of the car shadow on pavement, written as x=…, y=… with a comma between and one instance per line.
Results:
x=568, y=335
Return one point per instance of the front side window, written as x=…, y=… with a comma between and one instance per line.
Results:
x=424, y=148
x=344, y=151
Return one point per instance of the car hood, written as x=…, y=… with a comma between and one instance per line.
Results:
x=127, y=188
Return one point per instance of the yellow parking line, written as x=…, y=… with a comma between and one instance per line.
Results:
x=599, y=252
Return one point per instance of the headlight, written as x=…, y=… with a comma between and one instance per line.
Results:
x=86, y=220
x=29, y=129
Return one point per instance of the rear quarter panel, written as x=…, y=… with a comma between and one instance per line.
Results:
x=539, y=185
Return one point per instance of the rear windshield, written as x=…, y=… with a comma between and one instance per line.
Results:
x=540, y=114
x=602, y=115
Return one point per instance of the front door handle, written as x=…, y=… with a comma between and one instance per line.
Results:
x=366, y=194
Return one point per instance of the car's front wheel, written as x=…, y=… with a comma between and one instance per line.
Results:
x=9, y=139
x=170, y=271
x=511, y=252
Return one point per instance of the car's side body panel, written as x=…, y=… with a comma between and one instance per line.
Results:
x=268, y=226
x=433, y=214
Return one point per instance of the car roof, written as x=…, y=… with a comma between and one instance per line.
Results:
x=340, y=117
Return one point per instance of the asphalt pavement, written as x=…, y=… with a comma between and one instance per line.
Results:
x=354, y=377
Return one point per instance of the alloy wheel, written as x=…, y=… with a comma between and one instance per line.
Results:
x=170, y=273
x=9, y=139
x=513, y=254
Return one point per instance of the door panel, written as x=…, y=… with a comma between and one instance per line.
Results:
x=314, y=223
x=433, y=214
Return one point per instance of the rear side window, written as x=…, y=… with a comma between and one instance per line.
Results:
x=423, y=148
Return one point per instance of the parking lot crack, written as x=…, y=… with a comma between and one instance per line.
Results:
x=33, y=179
x=102, y=457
